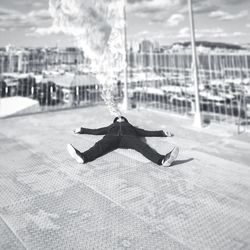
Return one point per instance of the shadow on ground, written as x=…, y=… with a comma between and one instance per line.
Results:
x=179, y=162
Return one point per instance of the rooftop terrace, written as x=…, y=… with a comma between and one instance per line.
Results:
x=121, y=200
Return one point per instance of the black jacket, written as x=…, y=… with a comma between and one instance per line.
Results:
x=122, y=128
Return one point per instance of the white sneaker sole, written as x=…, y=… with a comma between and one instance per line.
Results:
x=73, y=153
x=172, y=157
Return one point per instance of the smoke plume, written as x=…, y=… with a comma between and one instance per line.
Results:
x=98, y=26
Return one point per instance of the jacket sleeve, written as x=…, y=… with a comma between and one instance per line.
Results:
x=96, y=131
x=144, y=133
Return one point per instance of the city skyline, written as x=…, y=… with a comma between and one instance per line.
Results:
x=27, y=23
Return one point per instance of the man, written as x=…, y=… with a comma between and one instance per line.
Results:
x=122, y=134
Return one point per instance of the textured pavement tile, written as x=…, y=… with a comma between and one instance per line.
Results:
x=202, y=202
x=79, y=218
x=8, y=241
x=192, y=214
x=26, y=185
x=27, y=174
x=215, y=174
x=231, y=178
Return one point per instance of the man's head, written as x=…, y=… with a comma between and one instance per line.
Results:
x=120, y=119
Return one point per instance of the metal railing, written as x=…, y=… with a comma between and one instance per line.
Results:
x=164, y=81
x=32, y=93
x=155, y=80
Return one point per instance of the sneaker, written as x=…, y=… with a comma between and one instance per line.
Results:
x=170, y=157
x=75, y=153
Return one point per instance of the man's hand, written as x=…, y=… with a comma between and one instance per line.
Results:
x=168, y=134
x=77, y=130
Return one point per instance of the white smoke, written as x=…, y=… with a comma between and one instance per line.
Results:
x=98, y=26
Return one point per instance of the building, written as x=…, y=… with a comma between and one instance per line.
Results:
x=35, y=60
x=146, y=46
x=15, y=84
x=73, y=89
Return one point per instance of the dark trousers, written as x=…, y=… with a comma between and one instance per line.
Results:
x=109, y=143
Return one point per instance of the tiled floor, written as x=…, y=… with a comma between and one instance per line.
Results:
x=121, y=200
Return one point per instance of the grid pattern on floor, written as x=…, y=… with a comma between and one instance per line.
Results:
x=121, y=200
x=8, y=240
x=79, y=218
x=185, y=214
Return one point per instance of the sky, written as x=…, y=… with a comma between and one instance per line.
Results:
x=28, y=22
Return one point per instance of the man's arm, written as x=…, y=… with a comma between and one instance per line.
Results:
x=157, y=133
x=96, y=131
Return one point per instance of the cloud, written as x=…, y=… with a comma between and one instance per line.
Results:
x=145, y=34
x=175, y=19
x=157, y=11
x=38, y=4
x=10, y=20
x=200, y=6
x=235, y=2
x=43, y=31
x=14, y=20
x=208, y=33
x=137, y=1
x=248, y=25
x=163, y=17
x=139, y=35
x=39, y=15
x=31, y=3
x=238, y=33
x=142, y=7
x=222, y=15
x=183, y=33
x=6, y=28
x=7, y=12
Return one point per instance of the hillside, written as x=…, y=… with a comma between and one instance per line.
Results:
x=212, y=45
